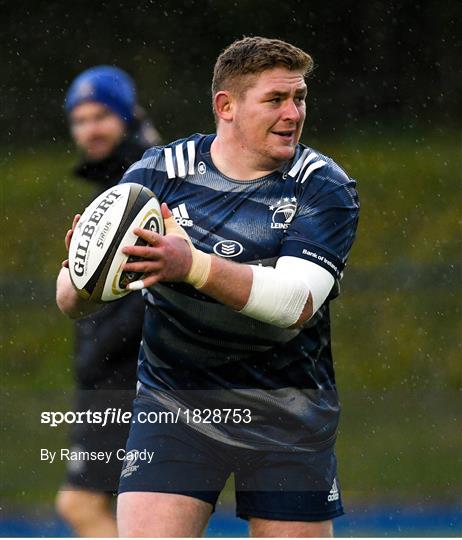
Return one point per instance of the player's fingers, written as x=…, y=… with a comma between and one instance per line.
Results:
x=151, y=237
x=75, y=221
x=68, y=238
x=65, y=264
x=151, y=279
x=70, y=232
x=145, y=252
x=166, y=213
x=146, y=267
x=142, y=283
x=136, y=285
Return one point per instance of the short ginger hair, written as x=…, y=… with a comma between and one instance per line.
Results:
x=253, y=55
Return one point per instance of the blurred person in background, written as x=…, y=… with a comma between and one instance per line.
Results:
x=111, y=132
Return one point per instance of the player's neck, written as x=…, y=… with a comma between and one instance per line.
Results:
x=233, y=161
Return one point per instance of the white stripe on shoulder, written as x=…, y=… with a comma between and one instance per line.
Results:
x=298, y=165
x=302, y=162
x=180, y=160
x=191, y=156
x=169, y=162
x=311, y=168
x=310, y=157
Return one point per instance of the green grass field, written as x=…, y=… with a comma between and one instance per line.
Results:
x=396, y=327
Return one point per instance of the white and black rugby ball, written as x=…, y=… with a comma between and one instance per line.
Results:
x=95, y=256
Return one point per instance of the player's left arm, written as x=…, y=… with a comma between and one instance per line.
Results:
x=287, y=295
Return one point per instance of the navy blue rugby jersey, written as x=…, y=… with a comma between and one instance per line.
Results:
x=200, y=354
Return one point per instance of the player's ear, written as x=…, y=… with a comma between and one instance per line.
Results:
x=223, y=103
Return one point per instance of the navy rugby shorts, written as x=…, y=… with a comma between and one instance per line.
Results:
x=288, y=486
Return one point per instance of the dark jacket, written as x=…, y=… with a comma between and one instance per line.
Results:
x=107, y=343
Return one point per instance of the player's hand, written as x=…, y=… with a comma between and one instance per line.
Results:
x=165, y=258
x=68, y=238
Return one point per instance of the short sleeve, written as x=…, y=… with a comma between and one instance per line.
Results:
x=324, y=225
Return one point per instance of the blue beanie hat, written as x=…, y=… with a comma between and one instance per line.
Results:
x=107, y=85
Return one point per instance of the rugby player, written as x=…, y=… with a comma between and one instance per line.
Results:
x=236, y=337
x=111, y=133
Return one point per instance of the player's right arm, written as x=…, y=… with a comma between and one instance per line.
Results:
x=67, y=298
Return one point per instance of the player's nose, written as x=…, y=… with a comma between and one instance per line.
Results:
x=291, y=111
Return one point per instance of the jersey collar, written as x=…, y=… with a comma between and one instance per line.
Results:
x=205, y=155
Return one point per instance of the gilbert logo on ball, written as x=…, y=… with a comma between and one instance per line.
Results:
x=106, y=226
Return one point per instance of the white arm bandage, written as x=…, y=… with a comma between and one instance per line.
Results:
x=278, y=295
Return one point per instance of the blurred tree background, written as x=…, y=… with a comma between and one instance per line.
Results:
x=384, y=102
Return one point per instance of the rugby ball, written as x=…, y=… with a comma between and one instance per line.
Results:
x=105, y=227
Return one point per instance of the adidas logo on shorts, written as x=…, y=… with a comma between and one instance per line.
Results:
x=333, y=493
x=181, y=216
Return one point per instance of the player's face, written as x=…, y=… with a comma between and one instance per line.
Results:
x=96, y=130
x=269, y=117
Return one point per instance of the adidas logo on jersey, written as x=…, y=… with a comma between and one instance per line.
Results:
x=181, y=216
x=333, y=493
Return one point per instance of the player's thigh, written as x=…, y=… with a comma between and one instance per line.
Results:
x=267, y=528
x=147, y=514
x=170, y=480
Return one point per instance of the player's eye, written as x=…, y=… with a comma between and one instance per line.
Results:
x=275, y=100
